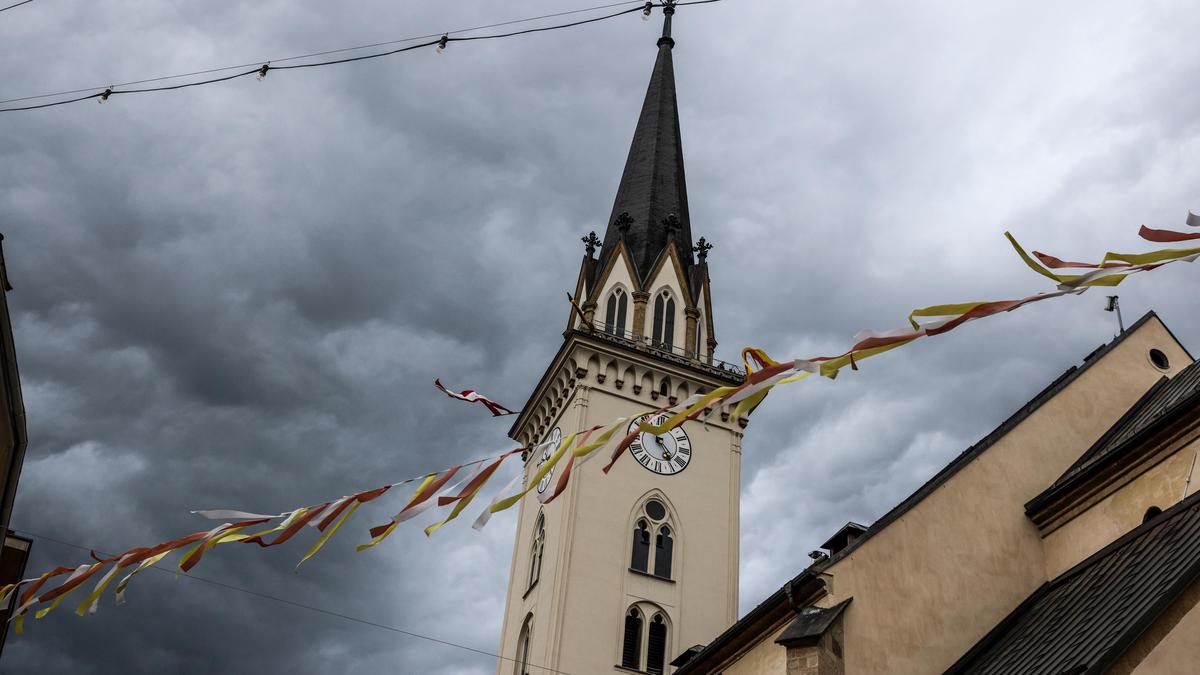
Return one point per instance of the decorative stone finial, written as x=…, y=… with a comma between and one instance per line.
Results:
x=623, y=223
x=671, y=222
x=591, y=242
x=702, y=248
x=668, y=8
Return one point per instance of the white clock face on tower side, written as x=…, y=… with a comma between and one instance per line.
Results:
x=666, y=454
x=554, y=440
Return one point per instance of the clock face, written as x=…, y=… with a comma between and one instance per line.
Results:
x=554, y=440
x=665, y=455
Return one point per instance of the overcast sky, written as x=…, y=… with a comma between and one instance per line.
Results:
x=239, y=295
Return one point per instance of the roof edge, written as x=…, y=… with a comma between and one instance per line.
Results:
x=1058, y=490
x=981, y=446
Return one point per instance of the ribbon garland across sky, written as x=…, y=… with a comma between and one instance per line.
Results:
x=457, y=486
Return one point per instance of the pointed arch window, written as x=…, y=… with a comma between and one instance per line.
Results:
x=523, y=647
x=640, y=560
x=631, y=642
x=653, y=521
x=664, y=320
x=656, y=645
x=614, y=313
x=535, y=553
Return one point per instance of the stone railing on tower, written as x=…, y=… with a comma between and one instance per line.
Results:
x=670, y=352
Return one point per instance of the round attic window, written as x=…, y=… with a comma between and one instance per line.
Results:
x=656, y=510
x=1159, y=359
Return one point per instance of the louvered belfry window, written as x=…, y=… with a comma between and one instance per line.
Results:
x=523, y=647
x=656, y=646
x=631, y=645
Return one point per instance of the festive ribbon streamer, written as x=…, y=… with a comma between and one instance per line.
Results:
x=459, y=485
x=472, y=396
x=470, y=488
x=1166, y=236
x=421, y=501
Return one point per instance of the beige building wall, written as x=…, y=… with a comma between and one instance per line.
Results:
x=1162, y=486
x=970, y=538
x=586, y=585
x=1175, y=653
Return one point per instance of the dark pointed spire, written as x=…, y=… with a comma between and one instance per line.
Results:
x=653, y=192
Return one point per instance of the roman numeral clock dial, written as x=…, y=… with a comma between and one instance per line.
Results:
x=666, y=454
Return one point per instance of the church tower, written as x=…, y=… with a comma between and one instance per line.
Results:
x=625, y=571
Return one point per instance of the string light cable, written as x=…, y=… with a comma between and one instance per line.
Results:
x=261, y=68
x=293, y=603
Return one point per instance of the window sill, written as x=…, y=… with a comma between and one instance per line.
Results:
x=652, y=576
x=623, y=669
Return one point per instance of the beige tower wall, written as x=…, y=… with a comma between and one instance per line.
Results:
x=970, y=538
x=586, y=585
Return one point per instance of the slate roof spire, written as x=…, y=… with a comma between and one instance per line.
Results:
x=652, y=188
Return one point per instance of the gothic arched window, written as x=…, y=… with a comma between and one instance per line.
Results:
x=663, y=547
x=535, y=553
x=631, y=643
x=640, y=560
x=653, y=519
x=523, y=647
x=664, y=320
x=614, y=314
x=656, y=646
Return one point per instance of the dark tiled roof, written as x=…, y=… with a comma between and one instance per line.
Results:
x=653, y=186
x=810, y=624
x=840, y=539
x=1165, y=397
x=1084, y=620
x=687, y=655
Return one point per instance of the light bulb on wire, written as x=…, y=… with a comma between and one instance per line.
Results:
x=442, y=43
x=646, y=11
x=262, y=72
x=104, y=95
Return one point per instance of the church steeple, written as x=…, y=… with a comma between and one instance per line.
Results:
x=651, y=206
x=634, y=567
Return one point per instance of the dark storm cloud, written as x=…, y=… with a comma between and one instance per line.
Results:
x=239, y=295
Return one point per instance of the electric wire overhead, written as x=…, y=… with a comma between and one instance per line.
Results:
x=260, y=69
x=23, y=2
x=293, y=603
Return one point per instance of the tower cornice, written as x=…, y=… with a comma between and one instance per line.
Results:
x=680, y=368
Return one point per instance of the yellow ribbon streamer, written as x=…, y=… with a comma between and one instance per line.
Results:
x=1166, y=254
x=329, y=533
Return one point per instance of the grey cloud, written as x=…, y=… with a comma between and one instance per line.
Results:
x=239, y=295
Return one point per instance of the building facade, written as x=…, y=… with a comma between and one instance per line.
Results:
x=1065, y=542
